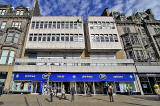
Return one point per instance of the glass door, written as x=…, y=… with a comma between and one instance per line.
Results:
x=34, y=87
x=89, y=87
x=80, y=87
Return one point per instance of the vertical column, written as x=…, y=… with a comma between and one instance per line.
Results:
x=8, y=81
x=84, y=88
x=94, y=90
x=139, y=84
x=76, y=87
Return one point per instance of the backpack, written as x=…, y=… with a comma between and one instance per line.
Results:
x=109, y=90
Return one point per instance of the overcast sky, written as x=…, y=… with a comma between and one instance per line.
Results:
x=90, y=7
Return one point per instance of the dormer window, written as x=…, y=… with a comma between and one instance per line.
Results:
x=20, y=12
x=2, y=12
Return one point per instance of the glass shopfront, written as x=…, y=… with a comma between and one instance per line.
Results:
x=83, y=83
x=148, y=81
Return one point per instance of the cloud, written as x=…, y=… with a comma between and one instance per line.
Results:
x=90, y=7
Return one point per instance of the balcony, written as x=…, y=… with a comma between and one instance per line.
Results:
x=75, y=65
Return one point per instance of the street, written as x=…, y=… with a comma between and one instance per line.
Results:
x=98, y=100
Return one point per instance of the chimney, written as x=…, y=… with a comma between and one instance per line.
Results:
x=105, y=12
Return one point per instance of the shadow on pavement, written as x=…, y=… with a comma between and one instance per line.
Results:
x=47, y=99
x=26, y=101
x=38, y=102
x=135, y=104
x=153, y=98
x=1, y=103
x=101, y=99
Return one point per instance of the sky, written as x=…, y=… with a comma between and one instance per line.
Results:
x=89, y=7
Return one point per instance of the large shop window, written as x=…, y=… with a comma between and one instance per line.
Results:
x=21, y=86
x=12, y=37
x=3, y=25
x=4, y=57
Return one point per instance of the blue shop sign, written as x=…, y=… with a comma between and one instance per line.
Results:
x=73, y=77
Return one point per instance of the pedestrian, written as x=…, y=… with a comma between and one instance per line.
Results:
x=72, y=93
x=63, y=93
x=110, y=93
x=157, y=90
x=51, y=94
x=128, y=89
x=0, y=90
x=55, y=91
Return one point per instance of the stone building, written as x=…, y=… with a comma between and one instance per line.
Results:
x=140, y=38
x=14, y=24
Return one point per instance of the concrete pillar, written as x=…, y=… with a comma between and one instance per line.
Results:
x=8, y=81
x=139, y=84
x=94, y=90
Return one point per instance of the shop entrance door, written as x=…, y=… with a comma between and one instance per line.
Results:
x=80, y=87
x=35, y=87
x=152, y=82
x=89, y=87
x=67, y=87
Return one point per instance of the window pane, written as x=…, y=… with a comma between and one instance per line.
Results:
x=30, y=37
x=40, y=37
x=57, y=37
x=67, y=37
x=11, y=57
x=71, y=37
x=16, y=38
x=76, y=37
x=9, y=37
x=3, y=25
x=48, y=37
x=35, y=37
x=62, y=37
x=33, y=25
x=53, y=37
x=44, y=37
x=1, y=35
x=46, y=25
x=54, y=25
x=4, y=57
x=37, y=25
x=41, y=25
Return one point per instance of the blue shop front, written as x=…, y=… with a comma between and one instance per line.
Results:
x=96, y=83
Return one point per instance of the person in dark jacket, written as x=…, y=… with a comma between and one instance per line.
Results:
x=51, y=94
x=0, y=90
x=110, y=93
x=72, y=93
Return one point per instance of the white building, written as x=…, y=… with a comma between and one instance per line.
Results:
x=59, y=51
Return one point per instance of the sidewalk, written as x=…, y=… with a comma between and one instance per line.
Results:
x=98, y=100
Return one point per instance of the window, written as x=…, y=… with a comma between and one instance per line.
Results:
x=138, y=55
x=80, y=39
x=71, y=25
x=115, y=37
x=57, y=37
x=62, y=37
x=16, y=24
x=67, y=25
x=91, y=25
x=99, y=25
x=1, y=35
x=67, y=37
x=111, y=38
x=102, y=38
x=53, y=37
x=58, y=25
x=127, y=40
x=37, y=25
x=45, y=25
x=54, y=25
x=11, y=57
x=39, y=37
x=97, y=38
x=10, y=37
x=3, y=25
x=44, y=37
x=35, y=37
x=103, y=25
x=33, y=25
x=16, y=37
x=131, y=55
x=75, y=37
x=75, y=25
x=62, y=25
x=71, y=37
x=92, y=38
x=50, y=24
x=2, y=12
x=143, y=31
x=41, y=25
x=19, y=12
x=126, y=30
x=79, y=25
x=4, y=56
x=48, y=37
x=106, y=38
x=30, y=37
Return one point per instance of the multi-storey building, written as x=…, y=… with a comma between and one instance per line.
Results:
x=14, y=24
x=13, y=27
x=139, y=36
x=63, y=51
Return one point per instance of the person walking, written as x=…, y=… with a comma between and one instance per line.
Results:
x=110, y=93
x=1, y=90
x=63, y=93
x=51, y=94
x=72, y=93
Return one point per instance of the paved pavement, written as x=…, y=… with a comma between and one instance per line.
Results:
x=98, y=100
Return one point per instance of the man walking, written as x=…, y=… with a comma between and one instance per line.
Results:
x=110, y=92
x=63, y=93
x=72, y=93
x=51, y=94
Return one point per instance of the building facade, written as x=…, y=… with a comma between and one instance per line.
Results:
x=13, y=28
x=140, y=38
x=63, y=51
